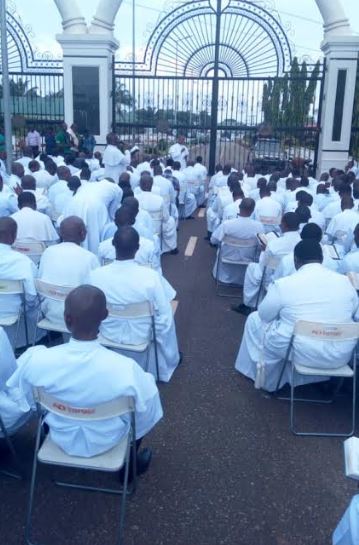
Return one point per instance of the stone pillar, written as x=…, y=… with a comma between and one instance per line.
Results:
x=88, y=81
x=341, y=54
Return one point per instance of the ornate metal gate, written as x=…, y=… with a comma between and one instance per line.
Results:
x=36, y=81
x=221, y=73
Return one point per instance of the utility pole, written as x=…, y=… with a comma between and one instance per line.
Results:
x=214, y=103
x=5, y=86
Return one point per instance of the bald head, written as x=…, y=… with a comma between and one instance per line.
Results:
x=85, y=309
x=246, y=207
x=126, y=242
x=125, y=216
x=64, y=173
x=132, y=202
x=28, y=183
x=8, y=231
x=73, y=229
x=146, y=182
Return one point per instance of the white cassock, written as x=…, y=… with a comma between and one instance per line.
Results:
x=218, y=202
x=108, y=192
x=8, y=204
x=150, y=202
x=350, y=262
x=231, y=210
x=84, y=374
x=13, y=181
x=276, y=248
x=267, y=208
x=347, y=531
x=145, y=255
x=325, y=296
x=97, y=174
x=44, y=179
x=186, y=200
x=58, y=187
x=125, y=282
x=179, y=152
x=64, y=264
x=32, y=224
x=166, y=190
x=332, y=209
x=240, y=228
x=143, y=167
x=115, y=162
x=249, y=183
x=321, y=200
x=42, y=202
x=94, y=214
x=195, y=184
x=16, y=266
x=342, y=225
x=201, y=171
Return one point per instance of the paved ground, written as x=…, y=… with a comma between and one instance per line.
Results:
x=226, y=470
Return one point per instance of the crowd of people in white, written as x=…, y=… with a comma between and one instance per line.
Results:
x=104, y=222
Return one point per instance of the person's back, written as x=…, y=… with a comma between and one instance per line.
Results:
x=32, y=224
x=83, y=373
x=267, y=207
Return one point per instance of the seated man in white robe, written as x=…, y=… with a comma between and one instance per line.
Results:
x=232, y=209
x=179, y=152
x=16, y=266
x=244, y=228
x=267, y=207
x=17, y=172
x=343, y=223
x=44, y=179
x=195, y=184
x=106, y=190
x=32, y=224
x=186, y=200
x=27, y=156
x=146, y=254
x=114, y=160
x=152, y=203
x=275, y=249
x=201, y=169
x=328, y=297
x=143, y=222
x=124, y=282
x=43, y=205
x=83, y=373
x=310, y=231
x=66, y=264
x=350, y=262
x=60, y=186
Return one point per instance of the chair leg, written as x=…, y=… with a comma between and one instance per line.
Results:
x=32, y=488
x=125, y=484
x=20, y=475
x=156, y=348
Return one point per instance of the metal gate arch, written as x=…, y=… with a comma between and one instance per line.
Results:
x=204, y=73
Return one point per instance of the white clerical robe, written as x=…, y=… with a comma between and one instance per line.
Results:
x=58, y=187
x=107, y=192
x=276, y=248
x=186, y=200
x=152, y=203
x=115, y=162
x=267, y=207
x=343, y=224
x=350, y=262
x=286, y=265
x=195, y=184
x=94, y=214
x=16, y=266
x=347, y=531
x=32, y=224
x=125, y=282
x=65, y=264
x=179, y=152
x=84, y=374
x=239, y=228
x=231, y=210
x=44, y=179
x=145, y=255
x=312, y=293
x=8, y=204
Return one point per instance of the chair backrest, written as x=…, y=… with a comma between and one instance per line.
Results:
x=109, y=409
x=52, y=291
x=11, y=287
x=354, y=279
x=29, y=247
x=270, y=220
x=327, y=331
x=240, y=242
x=144, y=309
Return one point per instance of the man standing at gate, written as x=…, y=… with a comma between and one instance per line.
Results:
x=179, y=152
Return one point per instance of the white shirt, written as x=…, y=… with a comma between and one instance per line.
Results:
x=179, y=152
x=84, y=374
x=115, y=162
x=32, y=224
x=231, y=210
x=145, y=255
x=108, y=192
x=43, y=179
x=345, y=221
x=350, y=262
x=267, y=208
x=8, y=203
x=64, y=264
x=33, y=138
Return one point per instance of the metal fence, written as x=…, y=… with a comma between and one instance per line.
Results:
x=354, y=140
x=37, y=100
x=154, y=110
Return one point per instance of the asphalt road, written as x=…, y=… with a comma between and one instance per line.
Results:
x=225, y=471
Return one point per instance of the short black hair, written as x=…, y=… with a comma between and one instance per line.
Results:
x=308, y=250
x=311, y=231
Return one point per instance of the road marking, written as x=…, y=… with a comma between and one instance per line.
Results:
x=174, y=305
x=201, y=212
x=190, y=246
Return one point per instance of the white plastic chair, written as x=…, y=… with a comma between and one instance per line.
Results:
x=354, y=279
x=32, y=248
x=271, y=222
x=250, y=244
x=111, y=461
x=134, y=311
x=46, y=290
x=271, y=262
x=321, y=332
x=15, y=287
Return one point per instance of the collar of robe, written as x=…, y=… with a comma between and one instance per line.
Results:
x=83, y=345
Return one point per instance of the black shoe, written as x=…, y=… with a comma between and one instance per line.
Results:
x=144, y=458
x=181, y=358
x=174, y=252
x=242, y=309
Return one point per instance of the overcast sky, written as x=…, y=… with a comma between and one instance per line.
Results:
x=302, y=16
